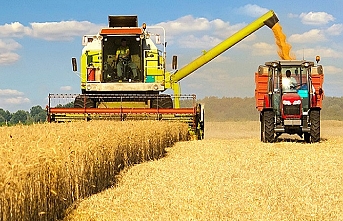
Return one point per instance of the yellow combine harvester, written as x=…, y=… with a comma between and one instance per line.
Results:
x=120, y=87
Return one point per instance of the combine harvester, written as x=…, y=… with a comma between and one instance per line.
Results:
x=107, y=96
x=294, y=109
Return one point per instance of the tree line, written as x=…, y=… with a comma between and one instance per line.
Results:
x=216, y=109
x=36, y=115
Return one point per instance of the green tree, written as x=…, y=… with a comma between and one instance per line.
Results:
x=67, y=105
x=5, y=116
x=38, y=114
x=20, y=116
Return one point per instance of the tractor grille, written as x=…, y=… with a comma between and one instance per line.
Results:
x=291, y=109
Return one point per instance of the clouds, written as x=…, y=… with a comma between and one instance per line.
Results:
x=66, y=88
x=252, y=10
x=263, y=48
x=333, y=70
x=335, y=29
x=314, y=35
x=316, y=18
x=318, y=37
x=324, y=52
x=15, y=29
x=9, y=97
x=186, y=24
x=49, y=31
x=202, y=33
x=62, y=31
x=7, y=54
x=318, y=34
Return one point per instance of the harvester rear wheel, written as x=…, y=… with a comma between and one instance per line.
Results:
x=315, y=125
x=268, y=126
x=82, y=102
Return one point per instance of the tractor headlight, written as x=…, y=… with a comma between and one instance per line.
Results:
x=286, y=102
x=297, y=102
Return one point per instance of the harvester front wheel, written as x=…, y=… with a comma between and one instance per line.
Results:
x=315, y=125
x=268, y=135
x=162, y=101
x=81, y=102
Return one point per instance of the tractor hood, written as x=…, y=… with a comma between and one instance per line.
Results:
x=290, y=98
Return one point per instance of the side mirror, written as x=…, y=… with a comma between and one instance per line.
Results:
x=279, y=67
x=74, y=64
x=174, y=62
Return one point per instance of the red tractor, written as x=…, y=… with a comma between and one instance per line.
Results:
x=289, y=98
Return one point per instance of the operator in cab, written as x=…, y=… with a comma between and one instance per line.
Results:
x=289, y=83
x=123, y=59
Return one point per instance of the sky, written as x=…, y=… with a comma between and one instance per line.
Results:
x=39, y=38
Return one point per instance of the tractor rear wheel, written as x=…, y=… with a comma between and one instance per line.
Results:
x=268, y=126
x=315, y=125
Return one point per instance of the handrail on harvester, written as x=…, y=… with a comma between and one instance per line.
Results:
x=54, y=110
x=269, y=19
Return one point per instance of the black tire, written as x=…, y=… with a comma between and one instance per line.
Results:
x=315, y=125
x=307, y=137
x=268, y=122
x=162, y=101
x=199, y=120
x=80, y=102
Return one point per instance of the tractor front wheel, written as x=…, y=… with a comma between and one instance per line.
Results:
x=307, y=137
x=262, y=126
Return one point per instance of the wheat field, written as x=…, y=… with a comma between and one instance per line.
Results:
x=230, y=175
x=44, y=168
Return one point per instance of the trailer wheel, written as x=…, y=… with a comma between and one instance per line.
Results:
x=315, y=125
x=268, y=126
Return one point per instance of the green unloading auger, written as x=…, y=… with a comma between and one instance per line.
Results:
x=269, y=19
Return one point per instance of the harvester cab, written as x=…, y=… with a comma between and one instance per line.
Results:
x=124, y=53
x=289, y=97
